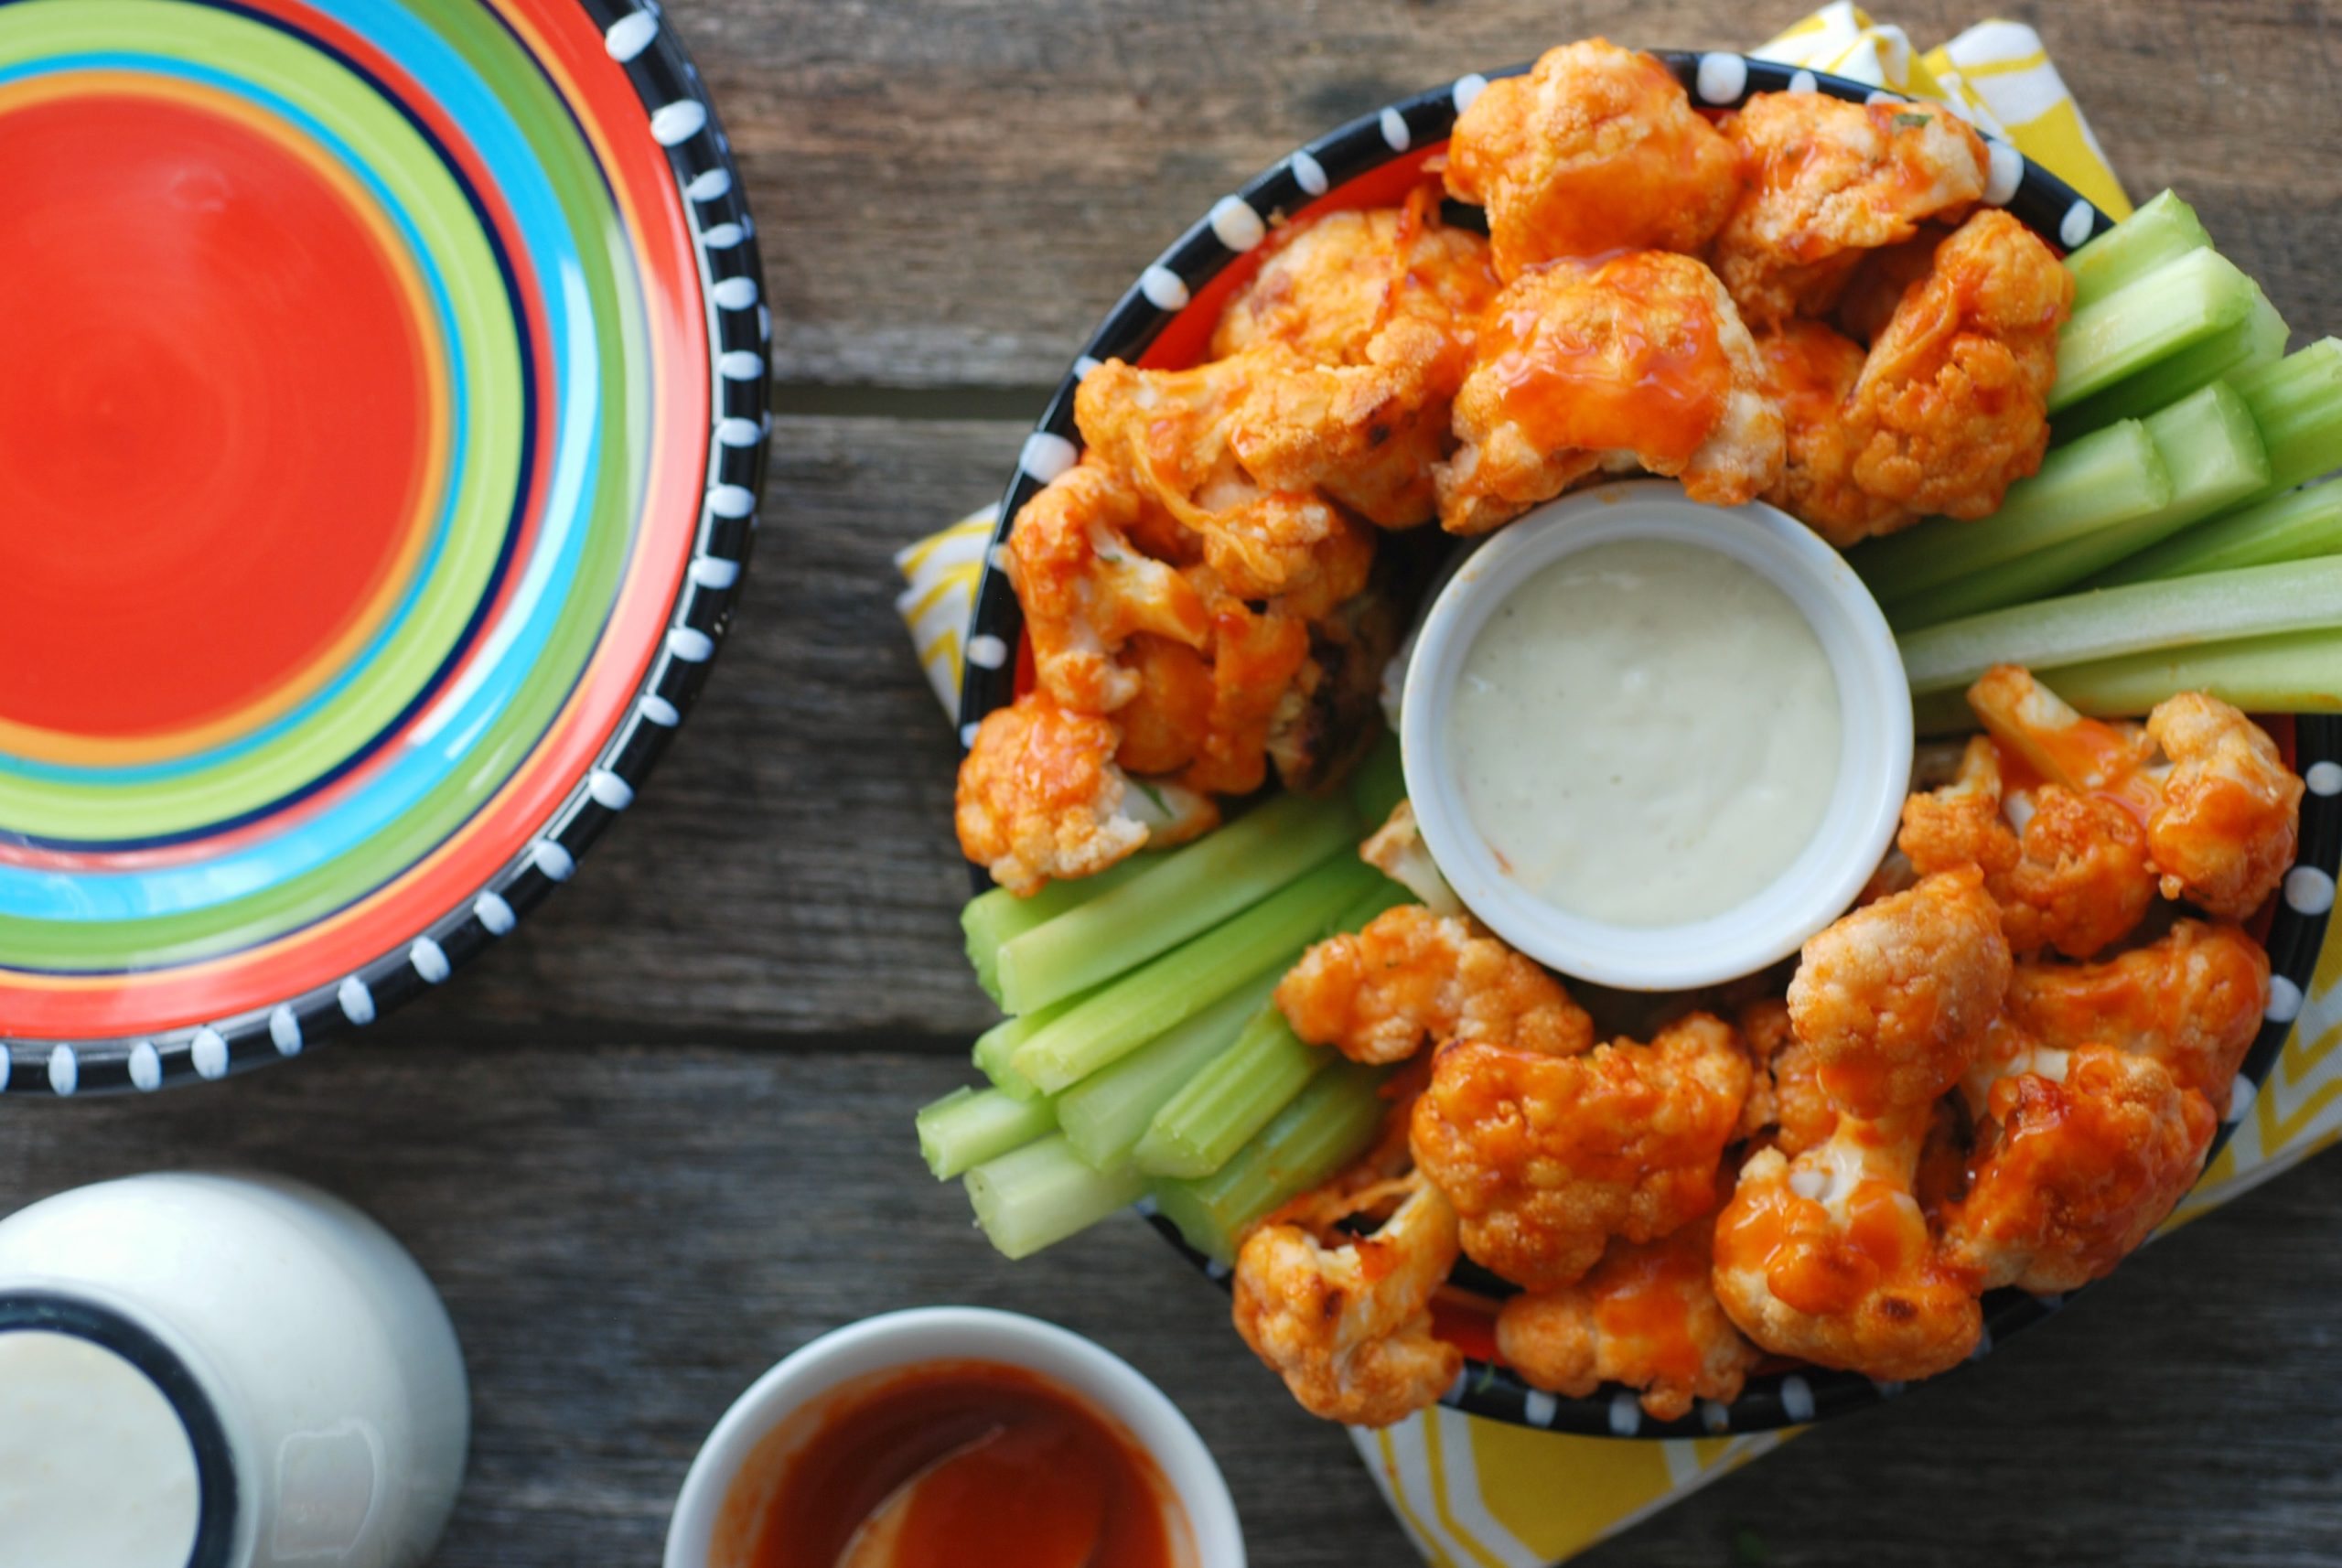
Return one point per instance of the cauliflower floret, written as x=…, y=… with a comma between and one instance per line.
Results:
x=1547, y=1158
x=1347, y=1323
x=1646, y=1317
x=1168, y=716
x=2192, y=1000
x=2085, y=1153
x=1257, y=655
x=1637, y=360
x=2224, y=834
x=1894, y=998
x=2221, y=809
x=1831, y=179
x=1397, y=850
x=1952, y=406
x=1827, y=1257
x=1331, y=711
x=1597, y=149
x=1178, y=436
x=2077, y=879
x=1787, y=1108
x=1040, y=796
x=1808, y=371
x=1087, y=590
x=1333, y=283
x=1411, y=976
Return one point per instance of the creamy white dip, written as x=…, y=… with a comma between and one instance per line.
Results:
x=1645, y=732
x=96, y=1470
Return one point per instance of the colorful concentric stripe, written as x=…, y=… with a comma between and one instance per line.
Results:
x=449, y=664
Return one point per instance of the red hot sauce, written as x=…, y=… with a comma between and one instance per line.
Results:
x=1006, y=1468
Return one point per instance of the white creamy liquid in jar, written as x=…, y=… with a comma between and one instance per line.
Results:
x=1645, y=732
x=96, y=1469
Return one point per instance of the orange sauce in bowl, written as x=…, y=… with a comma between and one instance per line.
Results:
x=960, y=1462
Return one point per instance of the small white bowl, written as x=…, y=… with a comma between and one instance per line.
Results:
x=1109, y=1385
x=1875, y=763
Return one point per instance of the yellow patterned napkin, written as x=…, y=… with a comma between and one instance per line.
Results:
x=1482, y=1494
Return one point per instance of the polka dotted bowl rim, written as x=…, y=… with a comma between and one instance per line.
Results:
x=1239, y=223
x=679, y=117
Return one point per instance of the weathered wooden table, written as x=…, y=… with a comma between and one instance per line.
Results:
x=662, y=1137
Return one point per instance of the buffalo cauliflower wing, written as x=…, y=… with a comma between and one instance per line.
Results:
x=1548, y=1159
x=1810, y=371
x=1951, y=407
x=1346, y=1320
x=1637, y=360
x=1411, y=976
x=1597, y=149
x=2084, y=1154
x=1827, y=1257
x=1787, y=1108
x=1040, y=796
x=1646, y=1317
x=2224, y=833
x=1894, y=999
x=1830, y=181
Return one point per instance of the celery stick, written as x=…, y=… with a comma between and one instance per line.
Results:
x=2292, y=673
x=1192, y=889
x=2210, y=446
x=1380, y=784
x=2293, y=526
x=2106, y=478
x=2153, y=316
x=2297, y=403
x=992, y=919
x=1329, y=1124
x=1037, y=1195
x=969, y=1126
x=1169, y=990
x=2162, y=229
x=1236, y=1095
x=2258, y=340
x=1106, y=1113
x=2105, y=623
x=996, y=1048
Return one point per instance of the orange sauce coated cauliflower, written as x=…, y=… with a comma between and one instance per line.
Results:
x=1346, y=1320
x=1597, y=149
x=1411, y=976
x=1646, y=1317
x=1548, y=1159
x=2223, y=836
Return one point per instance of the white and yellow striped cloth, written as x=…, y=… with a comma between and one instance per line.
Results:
x=1480, y=1493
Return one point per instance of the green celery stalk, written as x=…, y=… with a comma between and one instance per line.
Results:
x=1037, y=1195
x=2106, y=478
x=993, y=919
x=2139, y=617
x=1329, y=1124
x=1192, y=889
x=969, y=1126
x=2297, y=403
x=2171, y=309
x=2291, y=673
x=1236, y=1095
x=2258, y=340
x=1167, y=991
x=2162, y=229
x=996, y=1048
x=2211, y=448
x=1380, y=784
x=2295, y=525
x=1106, y=1113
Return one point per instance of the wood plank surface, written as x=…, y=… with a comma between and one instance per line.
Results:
x=660, y=1137
x=627, y=1237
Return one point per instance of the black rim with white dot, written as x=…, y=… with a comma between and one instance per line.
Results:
x=1237, y=223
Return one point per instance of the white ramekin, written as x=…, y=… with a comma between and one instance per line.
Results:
x=902, y=1340
x=1875, y=760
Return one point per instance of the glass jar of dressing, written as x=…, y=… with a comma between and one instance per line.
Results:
x=215, y=1371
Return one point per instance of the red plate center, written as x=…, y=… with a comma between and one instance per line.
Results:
x=214, y=414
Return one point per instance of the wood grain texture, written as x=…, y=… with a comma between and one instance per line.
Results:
x=955, y=190
x=627, y=1237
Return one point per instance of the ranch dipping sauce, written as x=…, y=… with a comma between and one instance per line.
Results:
x=95, y=1467
x=1645, y=732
